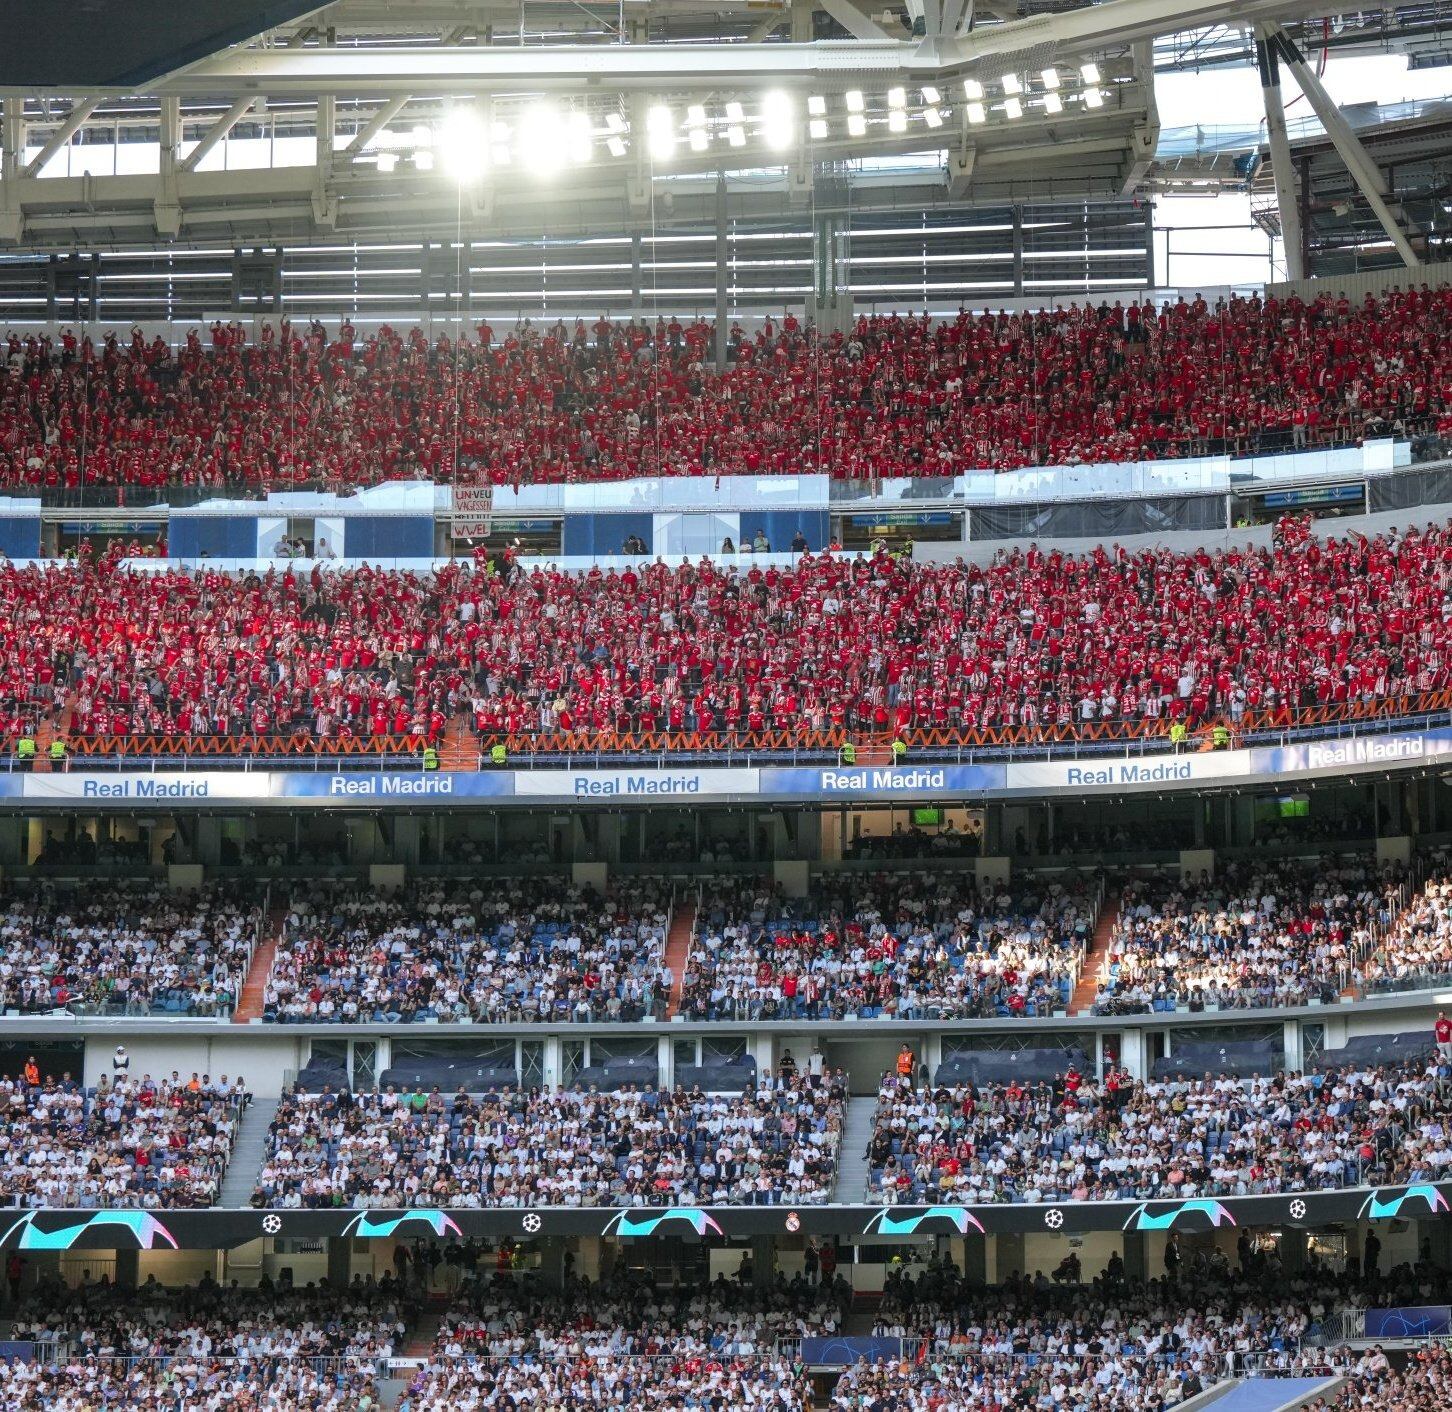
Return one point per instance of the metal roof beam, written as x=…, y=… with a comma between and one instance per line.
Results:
x=63, y=134
x=433, y=69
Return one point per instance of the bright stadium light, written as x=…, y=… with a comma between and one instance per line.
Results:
x=614, y=123
x=897, y=121
x=856, y=125
x=1093, y=98
x=932, y=117
x=423, y=160
x=387, y=161
x=735, y=113
x=422, y=136
x=615, y=145
x=897, y=98
x=1053, y=103
x=736, y=136
x=461, y=145
x=853, y=99
x=661, y=134
x=696, y=115
x=699, y=139
x=1012, y=84
x=817, y=129
x=816, y=106
x=777, y=120
x=1050, y=77
x=500, y=136
x=977, y=113
x=1013, y=108
x=931, y=96
x=541, y=143
x=1089, y=72
x=580, y=140
x=973, y=90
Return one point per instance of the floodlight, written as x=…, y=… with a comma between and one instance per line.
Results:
x=777, y=120
x=897, y=121
x=972, y=89
x=817, y=106
x=461, y=145
x=1093, y=98
x=856, y=125
x=853, y=99
x=1053, y=103
x=387, y=161
x=817, y=129
x=1050, y=77
x=1013, y=108
x=932, y=117
x=1089, y=72
x=977, y=113
x=897, y=98
x=1012, y=84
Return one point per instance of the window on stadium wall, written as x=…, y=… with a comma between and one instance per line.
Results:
x=890, y=261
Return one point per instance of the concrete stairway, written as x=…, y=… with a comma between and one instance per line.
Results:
x=852, y=1169
x=459, y=748
x=1097, y=957
x=678, y=950
x=249, y=1003
x=248, y=1153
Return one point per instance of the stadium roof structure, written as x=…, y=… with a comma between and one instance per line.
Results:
x=455, y=116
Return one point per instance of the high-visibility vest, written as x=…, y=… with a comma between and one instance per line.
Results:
x=899, y=749
x=57, y=750
x=430, y=758
x=26, y=748
x=849, y=754
x=498, y=755
x=1220, y=736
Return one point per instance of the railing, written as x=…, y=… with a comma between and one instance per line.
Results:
x=974, y=745
x=569, y=750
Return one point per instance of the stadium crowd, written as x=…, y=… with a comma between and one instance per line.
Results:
x=261, y=1323
x=462, y=951
x=878, y=644
x=612, y=1383
x=1073, y=1139
x=127, y=1142
x=196, y=1384
x=903, y=945
x=626, y=1314
x=776, y=1143
x=892, y=396
x=1416, y=948
x=1423, y=1383
x=1261, y=932
x=128, y=948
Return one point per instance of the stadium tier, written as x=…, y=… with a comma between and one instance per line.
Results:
x=1036, y=645
x=890, y=396
x=695, y=718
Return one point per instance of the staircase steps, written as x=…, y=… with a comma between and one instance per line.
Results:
x=249, y=1004
x=459, y=749
x=248, y=1154
x=852, y=1165
x=1097, y=959
x=678, y=951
